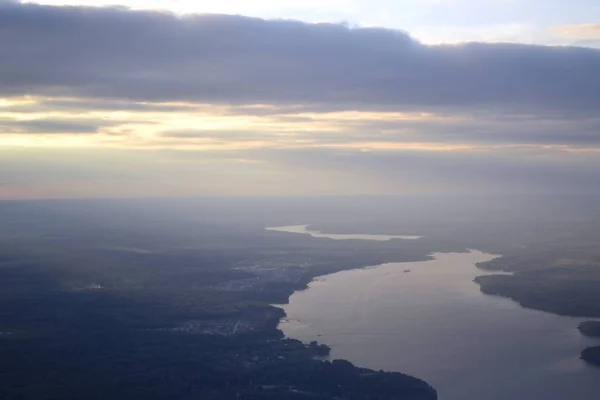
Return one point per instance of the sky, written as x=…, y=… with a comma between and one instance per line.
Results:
x=429, y=21
x=179, y=98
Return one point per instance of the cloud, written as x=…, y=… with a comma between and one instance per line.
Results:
x=212, y=134
x=202, y=126
x=585, y=35
x=146, y=102
x=46, y=126
x=582, y=31
x=78, y=105
x=156, y=56
x=379, y=129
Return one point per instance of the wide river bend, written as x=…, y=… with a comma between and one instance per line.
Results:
x=430, y=320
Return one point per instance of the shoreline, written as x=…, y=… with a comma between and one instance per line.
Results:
x=590, y=354
x=274, y=321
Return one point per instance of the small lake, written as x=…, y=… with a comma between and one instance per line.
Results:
x=303, y=229
x=430, y=320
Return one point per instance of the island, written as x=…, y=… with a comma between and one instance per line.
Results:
x=591, y=355
x=560, y=277
x=590, y=328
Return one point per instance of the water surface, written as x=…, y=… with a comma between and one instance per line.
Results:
x=304, y=230
x=434, y=323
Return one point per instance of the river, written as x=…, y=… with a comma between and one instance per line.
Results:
x=303, y=229
x=430, y=320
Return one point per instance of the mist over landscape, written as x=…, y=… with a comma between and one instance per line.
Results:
x=299, y=200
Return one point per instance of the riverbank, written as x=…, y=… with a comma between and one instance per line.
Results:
x=175, y=322
x=542, y=282
x=352, y=379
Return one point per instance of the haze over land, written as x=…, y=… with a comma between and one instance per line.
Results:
x=173, y=288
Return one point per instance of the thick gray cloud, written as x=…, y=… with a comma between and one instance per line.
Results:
x=122, y=54
x=44, y=126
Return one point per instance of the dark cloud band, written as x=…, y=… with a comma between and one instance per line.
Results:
x=156, y=56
